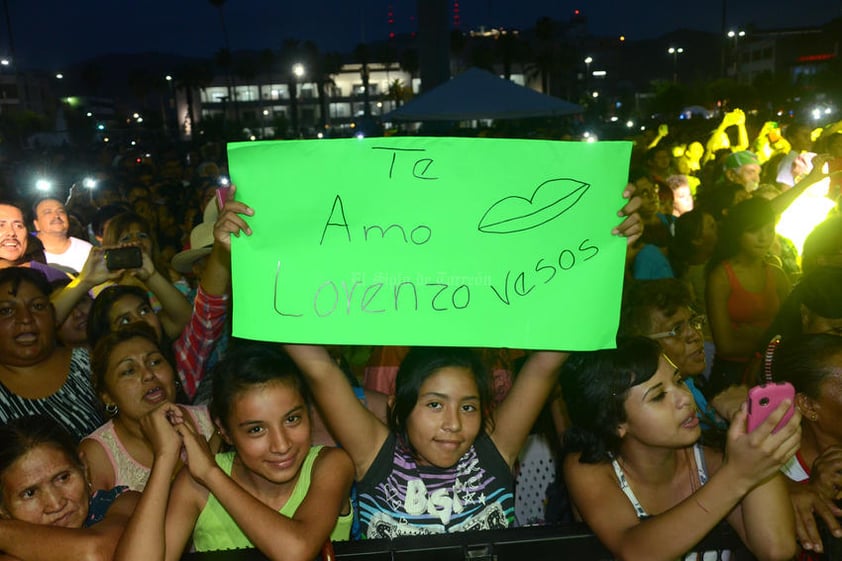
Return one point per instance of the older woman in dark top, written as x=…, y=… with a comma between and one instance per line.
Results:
x=48, y=510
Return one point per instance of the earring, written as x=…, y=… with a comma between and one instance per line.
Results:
x=111, y=409
x=814, y=417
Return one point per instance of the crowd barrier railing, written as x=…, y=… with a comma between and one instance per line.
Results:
x=538, y=543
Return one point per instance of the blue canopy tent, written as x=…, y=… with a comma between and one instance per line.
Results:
x=478, y=94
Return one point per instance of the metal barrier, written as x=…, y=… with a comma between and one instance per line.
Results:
x=539, y=543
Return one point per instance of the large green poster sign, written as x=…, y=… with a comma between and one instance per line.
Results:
x=430, y=241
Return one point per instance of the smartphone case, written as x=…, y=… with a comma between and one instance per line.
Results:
x=123, y=258
x=764, y=399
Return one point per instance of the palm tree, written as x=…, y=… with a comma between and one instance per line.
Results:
x=399, y=92
x=190, y=77
x=409, y=62
x=225, y=56
x=265, y=64
x=510, y=48
x=324, y=66
x=544, y=48
x=361, y=55
x=224, y=61
x=290, y=56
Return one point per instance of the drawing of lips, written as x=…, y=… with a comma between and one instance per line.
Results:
x=550, y=200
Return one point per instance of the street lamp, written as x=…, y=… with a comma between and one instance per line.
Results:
x=298, y=72
x=675, y=51
x=736, y=35
x=588, y=61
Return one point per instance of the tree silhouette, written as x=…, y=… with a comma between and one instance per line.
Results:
x=224, y=57
x=291, y=53
x=192, y=76
x=363, y=56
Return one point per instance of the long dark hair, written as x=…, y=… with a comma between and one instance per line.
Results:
x=747, y=216
x=806, y=360
x=248, y=364
x=422, y=362
x=595, y=385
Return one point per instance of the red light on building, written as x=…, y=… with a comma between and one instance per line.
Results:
x=816, y=58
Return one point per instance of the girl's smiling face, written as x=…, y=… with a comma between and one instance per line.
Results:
x=269, y=425
x=660, y=412
x=45, y=487
x=447, y=417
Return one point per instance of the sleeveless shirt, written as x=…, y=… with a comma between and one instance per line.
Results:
x=701, y=473
x=399, y=497
x=127, y=470
x=74, y=405
x=216, y=530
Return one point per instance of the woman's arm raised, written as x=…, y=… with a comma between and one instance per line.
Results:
x=175, y=309
x=353, y=426
x=521, y=407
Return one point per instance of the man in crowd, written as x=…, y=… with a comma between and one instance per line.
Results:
x=743, y=168
x=16, y=249
x=52, y=226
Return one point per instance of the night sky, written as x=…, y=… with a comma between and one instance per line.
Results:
x=50, y=34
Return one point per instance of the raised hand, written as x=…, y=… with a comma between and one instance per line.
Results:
x=230, y=221
x=758, y=455
x=147, y=269
x=95, y=271
x=631, y=227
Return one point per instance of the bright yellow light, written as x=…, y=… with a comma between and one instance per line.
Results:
x=808, y=210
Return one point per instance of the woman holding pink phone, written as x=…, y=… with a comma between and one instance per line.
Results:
x=636, y=471
x=813, y=364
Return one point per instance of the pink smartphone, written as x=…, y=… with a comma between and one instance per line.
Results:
x=764, y=399
x=222, y=194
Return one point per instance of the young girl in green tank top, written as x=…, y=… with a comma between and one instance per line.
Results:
x=272, y=491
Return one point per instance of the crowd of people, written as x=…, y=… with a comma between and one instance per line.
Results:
x=134, y=426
